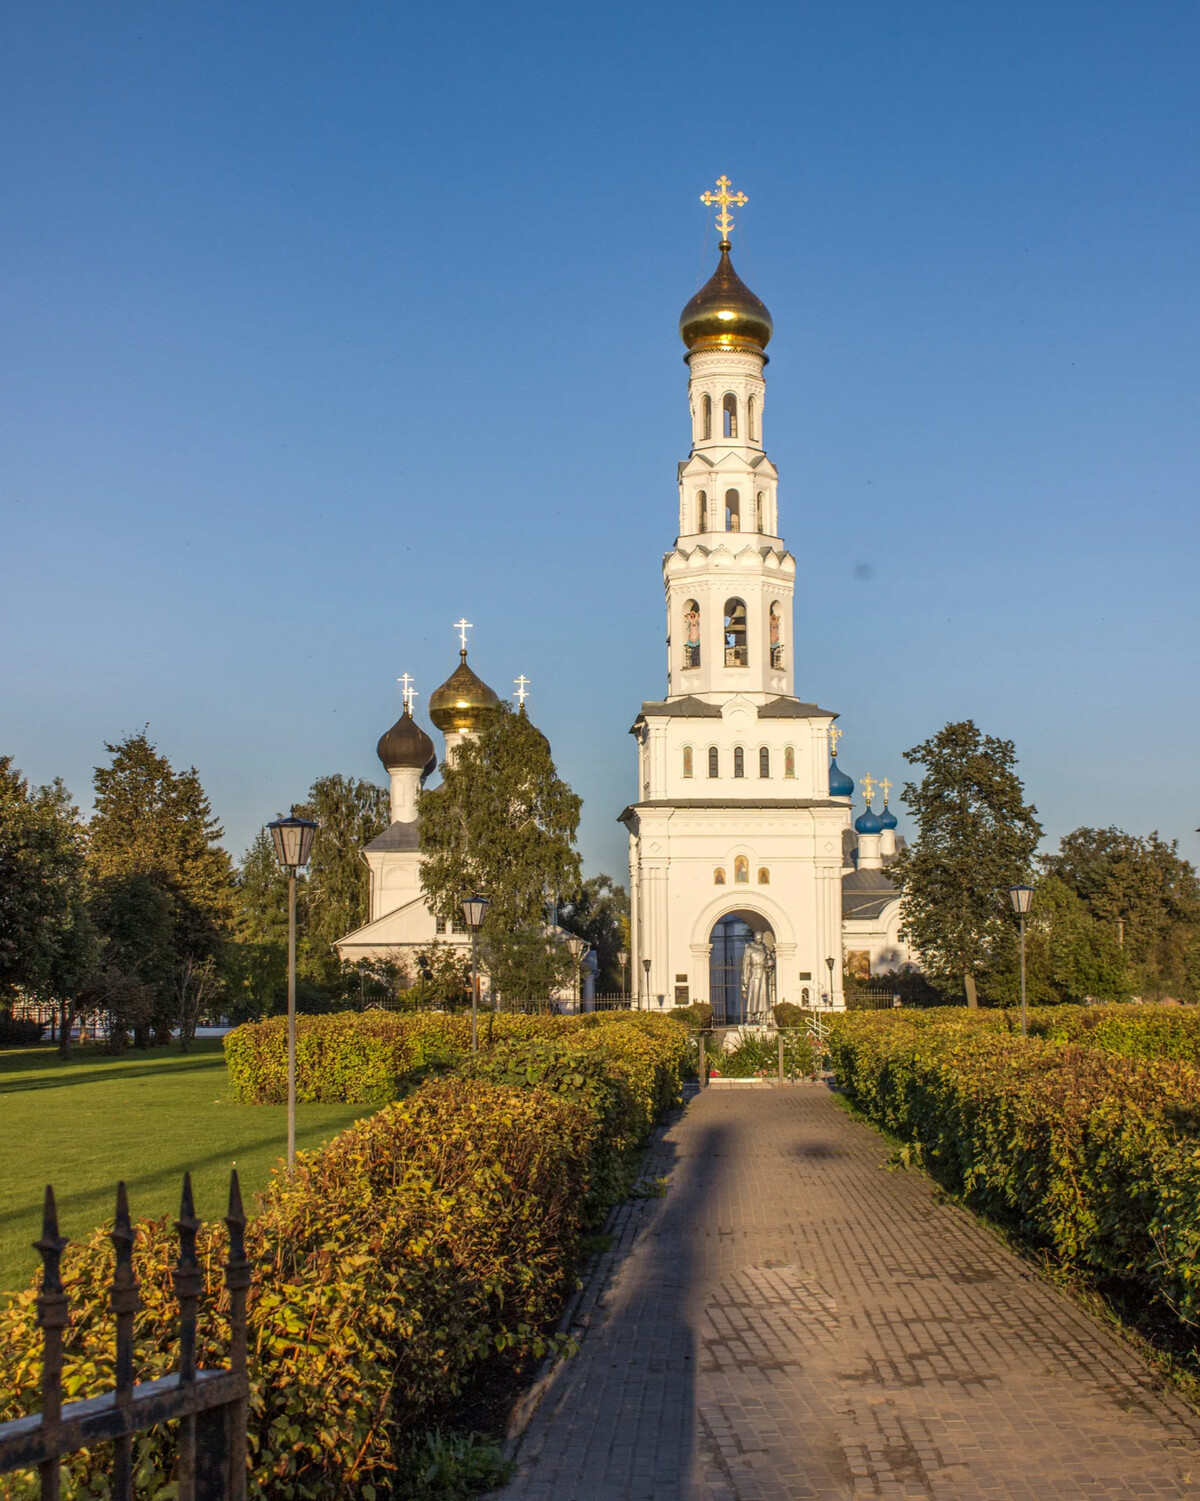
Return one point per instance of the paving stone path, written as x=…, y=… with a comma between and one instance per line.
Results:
x=792, y=1320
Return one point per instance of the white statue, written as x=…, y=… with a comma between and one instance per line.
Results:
x=756, y=978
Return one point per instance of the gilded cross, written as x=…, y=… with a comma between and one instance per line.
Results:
x=723, y=197
x=869, y=785
x=407, y=689
x=834, y=736
x=887, y=790
x=462, y=627
x=522, y=687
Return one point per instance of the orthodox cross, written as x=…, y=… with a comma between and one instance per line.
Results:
x=407, y=691
x=724, y=197
x=522, y=687
x=887, y=790
x=869, y=785
x=462, y=627
x=834, y=736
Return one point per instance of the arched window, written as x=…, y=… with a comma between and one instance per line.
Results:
x=702, y=511
x=687, y=760
x=804, y=996
x=733, y=520
x=714, y=761
x=775, y=624
x=760, y=512
x=751, y=424
x=741, y=870
x=736, y=652
x=729, y=408
x=691, y=634
x=789, y=761
x=764, y=761
x=719, y=876
x=739, y=761
x=764, y=876
x=706, y=417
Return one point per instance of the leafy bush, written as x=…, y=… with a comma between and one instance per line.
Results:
x=388, y=1266
x=1134, y=1031
x=1092, y=1154
x=698, y=1016
x=18, y=1032
x=788, y=1014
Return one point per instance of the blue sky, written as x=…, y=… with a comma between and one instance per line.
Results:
x=323, y=325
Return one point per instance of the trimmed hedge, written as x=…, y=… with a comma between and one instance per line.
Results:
x=389, y=1265
x=1094, y=1155
x=1133, y=1031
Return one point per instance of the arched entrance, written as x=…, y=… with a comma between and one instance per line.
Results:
x=728, y=940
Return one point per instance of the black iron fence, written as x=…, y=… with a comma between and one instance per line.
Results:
x=889, y=990
x=209, y=1405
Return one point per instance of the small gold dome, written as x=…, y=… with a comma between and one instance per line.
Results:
x=460, y=703
x=725, y=313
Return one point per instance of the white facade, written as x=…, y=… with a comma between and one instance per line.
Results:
x=734, y=817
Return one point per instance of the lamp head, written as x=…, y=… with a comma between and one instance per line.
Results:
x=622, y=958
x=474, y=910
x=293, y=840
x=646, y=967
x=1022, y=899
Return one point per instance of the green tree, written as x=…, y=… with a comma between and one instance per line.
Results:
x=163, y=883
x=503, y=823
x=1069, y=955
x=1145, y=894
x=976, y=838
x=348, y=814
x=48, y=945
x=599, y=912
x=256, y=962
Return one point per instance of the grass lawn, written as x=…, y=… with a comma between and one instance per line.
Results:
x=141, y=1116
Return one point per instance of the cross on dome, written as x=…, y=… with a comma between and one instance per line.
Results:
x=834, y=736
x=887, y=790
x=724, y=197
x=522, y=687
x=407, y=689
x=869, y=785
x=462, y=627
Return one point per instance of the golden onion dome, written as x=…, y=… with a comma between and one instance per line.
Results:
x=725, y=313
x=462, y=700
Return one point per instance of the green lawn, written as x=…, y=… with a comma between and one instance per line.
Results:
x=141, y=1116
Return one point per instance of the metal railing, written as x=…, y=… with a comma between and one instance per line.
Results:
x=209, y=1405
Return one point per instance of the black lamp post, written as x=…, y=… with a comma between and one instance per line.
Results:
x=1022, y=899
x=293, y=839
x=829, y=965
x=646, y=967
x=578, y=947
x=623, y=961
x=474, y=910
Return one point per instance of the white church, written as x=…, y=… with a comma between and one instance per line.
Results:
x=742, y=831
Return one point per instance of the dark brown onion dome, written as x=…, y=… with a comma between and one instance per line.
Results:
x=407, y=744
x=462, y=700
x=725, y=313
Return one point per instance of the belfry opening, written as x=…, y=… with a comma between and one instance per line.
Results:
x=741, y=969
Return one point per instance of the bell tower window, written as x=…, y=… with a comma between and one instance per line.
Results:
x=702, y=511
x=729, y=408
x=751, y=420
x=760, y=512
x=737, y=654
x=706, y=417
x=733, y=520
x=691, y=634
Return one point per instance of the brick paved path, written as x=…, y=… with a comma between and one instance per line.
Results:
x=793, y=1321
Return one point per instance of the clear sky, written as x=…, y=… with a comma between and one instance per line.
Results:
x=323, y=325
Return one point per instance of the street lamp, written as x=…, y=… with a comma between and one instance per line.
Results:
x=293, y=839
x=578, y=948
x=623, y=961
x=829, y=966
x=474, y=910
x=646, y=967
x=1022, y=899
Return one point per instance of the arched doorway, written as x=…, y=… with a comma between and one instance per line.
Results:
x=728, y=941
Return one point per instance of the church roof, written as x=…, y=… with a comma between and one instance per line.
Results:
x=689, y=707
x=725, y=313
x=400, y=836
x=793, y=708
x=865, y=893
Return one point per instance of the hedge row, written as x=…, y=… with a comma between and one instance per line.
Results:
x=1091, y=1154
x=388, y=1266
x=1133, y=1031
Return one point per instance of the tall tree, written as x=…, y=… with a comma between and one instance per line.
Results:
x=502, y=823
x=256, y=962
x=348, y=814
x=47, y=943
x=976, y=838
x=599, y=912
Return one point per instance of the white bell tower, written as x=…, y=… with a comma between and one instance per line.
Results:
x=735, y=831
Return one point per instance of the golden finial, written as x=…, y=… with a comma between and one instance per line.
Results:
x=869, y=785
x=887, y=790
x=834, y=736
x=724, y=197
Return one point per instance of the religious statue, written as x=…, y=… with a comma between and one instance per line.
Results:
x=691, y=620
x=757, y=961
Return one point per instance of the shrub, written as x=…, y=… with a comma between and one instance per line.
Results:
x=19, y=1032
x=788, y=1014
x=698, y=1016
x=1091, y=1154
x=386, y=1268
x=1134, y=1031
